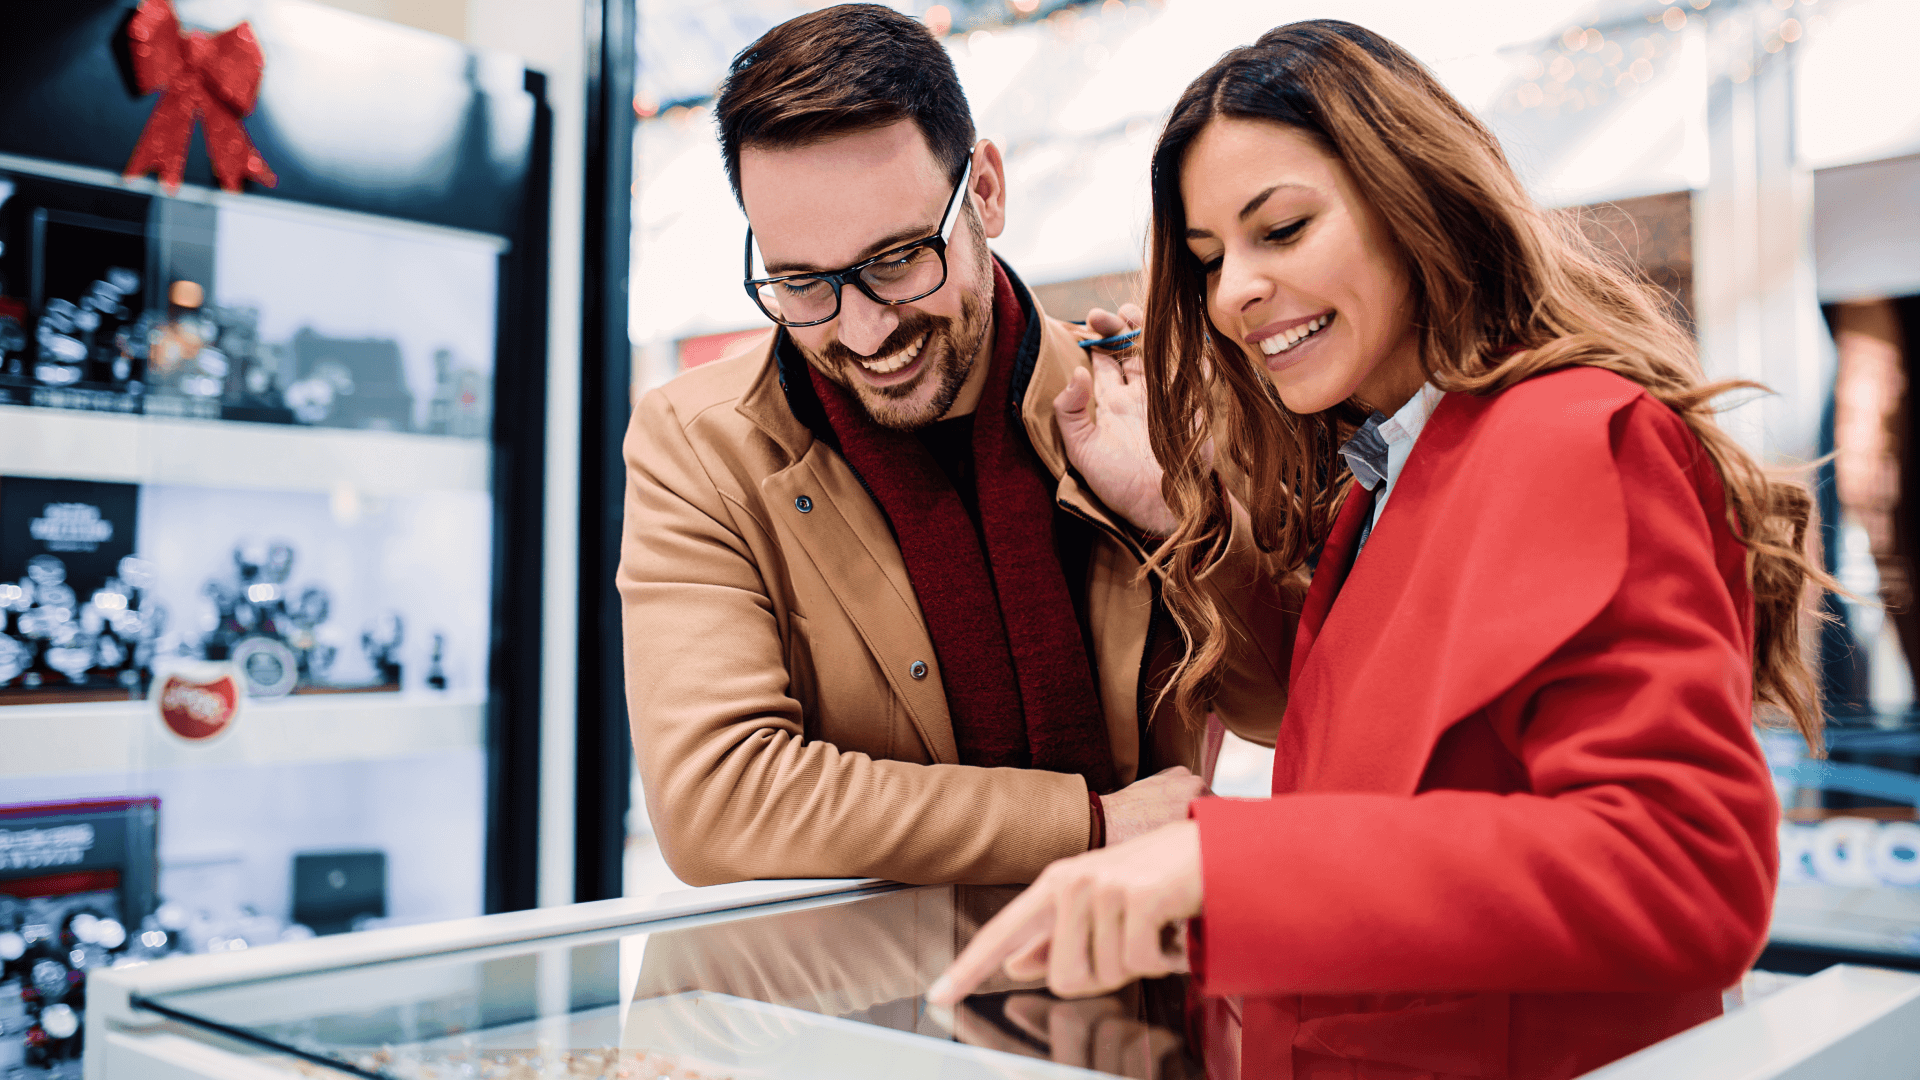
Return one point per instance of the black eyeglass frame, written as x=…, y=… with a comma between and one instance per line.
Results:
x=851, y=275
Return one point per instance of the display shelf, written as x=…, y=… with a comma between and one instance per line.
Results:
x=127, y=737
x=75, y=445
x=195, y=193
x=1882, y=920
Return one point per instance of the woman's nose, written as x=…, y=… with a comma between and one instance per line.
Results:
x=1243, y=285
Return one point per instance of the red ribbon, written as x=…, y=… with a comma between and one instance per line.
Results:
x=212, y=79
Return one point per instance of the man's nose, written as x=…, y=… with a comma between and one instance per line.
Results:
x=864, y=326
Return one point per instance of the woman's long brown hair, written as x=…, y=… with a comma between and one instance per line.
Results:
x=1501, y=290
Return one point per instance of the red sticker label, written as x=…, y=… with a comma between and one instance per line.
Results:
x=199, y=710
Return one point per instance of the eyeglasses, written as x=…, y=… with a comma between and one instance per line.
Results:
x=897, y=276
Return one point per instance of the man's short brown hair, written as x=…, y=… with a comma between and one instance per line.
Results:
x=838, y=71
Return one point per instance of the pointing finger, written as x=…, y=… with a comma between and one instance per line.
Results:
x=1014, y=929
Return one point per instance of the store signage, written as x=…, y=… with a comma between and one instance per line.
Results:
x=199, y=707
x=53, y=849
x=75, y=836
x=35, y=849
x=71, y=527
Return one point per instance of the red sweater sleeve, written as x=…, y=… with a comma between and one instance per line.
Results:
x=1643, y=857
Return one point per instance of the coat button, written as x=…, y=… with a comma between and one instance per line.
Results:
x=803, y=504
x=918, y=670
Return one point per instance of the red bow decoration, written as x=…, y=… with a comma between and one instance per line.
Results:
x=212, y=79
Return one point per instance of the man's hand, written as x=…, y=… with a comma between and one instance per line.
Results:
x=1145, y=805
x=1107, y=443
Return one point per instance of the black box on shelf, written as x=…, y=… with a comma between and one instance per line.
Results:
x=88, y=525
x=72, y=625
x=76, y=895
x=332, y=889
x=75, y=286
x=95, y=845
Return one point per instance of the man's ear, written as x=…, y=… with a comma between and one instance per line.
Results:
x=988, y=188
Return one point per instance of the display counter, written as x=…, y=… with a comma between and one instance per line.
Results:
x=812, y=979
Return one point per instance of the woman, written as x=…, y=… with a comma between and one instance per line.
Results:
x=1520, y=824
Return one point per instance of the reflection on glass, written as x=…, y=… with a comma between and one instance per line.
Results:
x=828, y=989
x=825, y=989
x=871, y=963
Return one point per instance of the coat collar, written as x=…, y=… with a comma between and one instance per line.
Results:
x=849, y=539
x=1479, y=568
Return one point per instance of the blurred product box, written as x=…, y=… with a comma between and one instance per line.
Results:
x=76, y=895
x=113, y=301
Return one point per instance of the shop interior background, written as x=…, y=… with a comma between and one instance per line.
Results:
x=1758, y=159
x=1755, y=159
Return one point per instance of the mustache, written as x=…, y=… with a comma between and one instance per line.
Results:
x=912, y=326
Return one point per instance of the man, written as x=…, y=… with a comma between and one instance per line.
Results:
x=884, y=613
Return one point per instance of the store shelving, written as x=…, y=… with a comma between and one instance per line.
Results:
x=128, y=737
x=225, y=454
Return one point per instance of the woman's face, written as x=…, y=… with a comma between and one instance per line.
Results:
x=1300, y=271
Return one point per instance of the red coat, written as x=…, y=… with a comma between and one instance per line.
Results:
x=1521, y=825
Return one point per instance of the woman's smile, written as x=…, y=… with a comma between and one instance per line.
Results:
x=1283, y=343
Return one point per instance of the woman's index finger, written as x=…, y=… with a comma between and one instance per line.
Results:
x=1029, y=917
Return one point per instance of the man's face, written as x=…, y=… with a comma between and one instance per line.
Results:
x=835, y=203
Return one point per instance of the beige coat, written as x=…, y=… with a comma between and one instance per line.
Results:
x=782, y=719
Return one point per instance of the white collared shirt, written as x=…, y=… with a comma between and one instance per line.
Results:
x=1399, y=433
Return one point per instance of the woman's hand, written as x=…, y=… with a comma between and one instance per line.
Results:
x=1093, y=1033
x=1092, y=923
x=1102, y=414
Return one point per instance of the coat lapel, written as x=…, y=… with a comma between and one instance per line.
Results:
x=1336, y=562
x=1480, y=567
x=848, y=539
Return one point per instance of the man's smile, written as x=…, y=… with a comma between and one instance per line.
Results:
x=894, y=362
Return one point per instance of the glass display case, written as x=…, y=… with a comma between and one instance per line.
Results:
x=786, y=980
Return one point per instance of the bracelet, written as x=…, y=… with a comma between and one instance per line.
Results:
x=1097, y=827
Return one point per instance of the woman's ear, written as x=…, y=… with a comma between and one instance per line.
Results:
x=989, y=187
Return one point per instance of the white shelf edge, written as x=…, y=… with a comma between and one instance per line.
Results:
x=127, y=737
x=75, y=444
x=331, y=215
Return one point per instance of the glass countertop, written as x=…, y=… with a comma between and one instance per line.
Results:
x=824, y=988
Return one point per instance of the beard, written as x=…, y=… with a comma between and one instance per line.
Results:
x=947, y=358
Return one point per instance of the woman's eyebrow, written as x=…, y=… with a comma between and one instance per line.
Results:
x=1248, y=210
